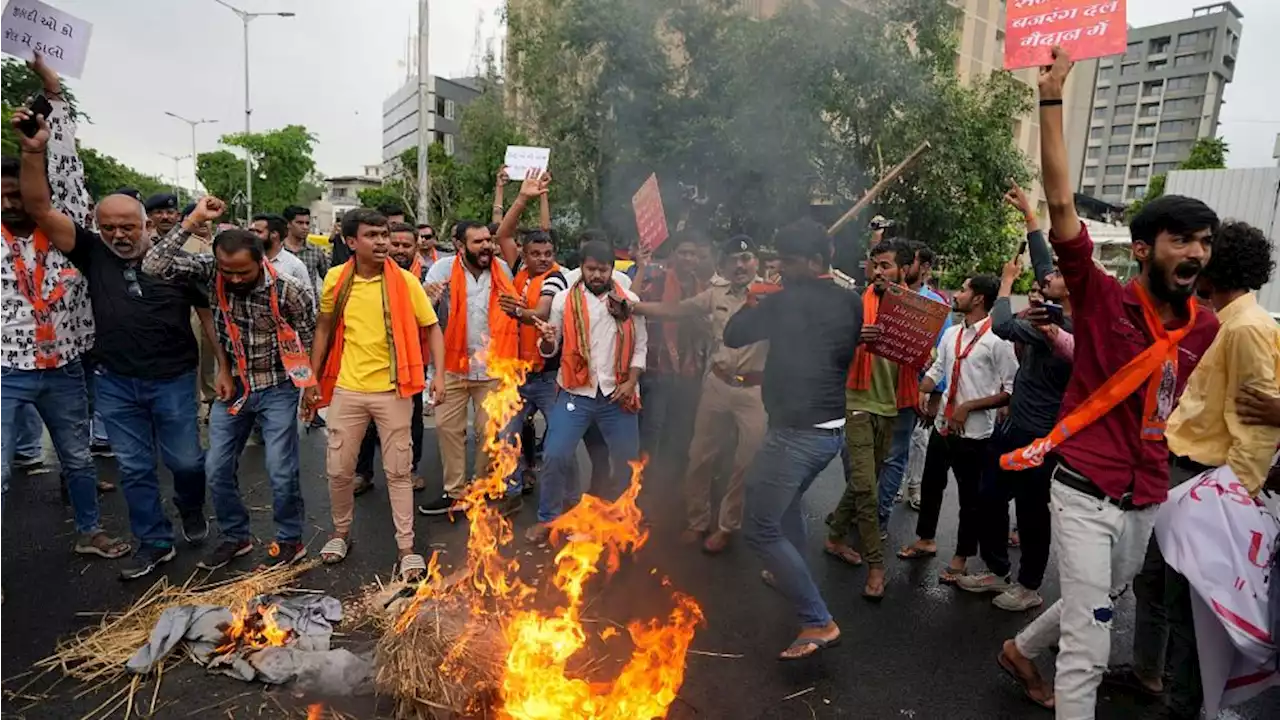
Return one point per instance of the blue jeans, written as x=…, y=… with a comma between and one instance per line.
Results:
x=895, y=466
x=97, y=426
x=275, y=409
x=783, y=469
x=539, y=394
x=28, y=434
x=568, y=422
x=140, y=415
x=60, y=398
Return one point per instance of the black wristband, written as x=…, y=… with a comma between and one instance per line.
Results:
x=1050, y=102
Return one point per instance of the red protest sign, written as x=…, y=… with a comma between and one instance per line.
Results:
x=1084, y=28
x=651, y=219
x=909, y=326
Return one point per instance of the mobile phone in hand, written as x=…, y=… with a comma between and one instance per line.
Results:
x=39, y=106
x=1055, y=313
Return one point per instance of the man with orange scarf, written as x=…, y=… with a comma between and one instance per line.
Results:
x=374, y=330
x=1136, y=344
x=601, y=359
x=466, y=288
x=875, y=390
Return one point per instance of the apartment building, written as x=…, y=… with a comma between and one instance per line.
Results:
x=400, y=114
x=1151, y=104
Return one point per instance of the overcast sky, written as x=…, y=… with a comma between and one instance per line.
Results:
x=330, y=67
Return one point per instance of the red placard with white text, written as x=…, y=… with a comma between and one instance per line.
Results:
x=1084, y=28
x=651, y=219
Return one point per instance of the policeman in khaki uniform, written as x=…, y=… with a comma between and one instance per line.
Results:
x=730, y=393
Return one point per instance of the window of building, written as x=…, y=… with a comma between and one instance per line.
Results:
x=1137, y=191
x=1125, y=111
x=1159, y=45
x=1133, y=50
x=338, y=192
x=1093, y=153
x=1129, y=69
x=1107, y=73
x=1190, y=82
x=1143, y=151
x=1151, y=110
x=1152, y=88
x=1183, y=105
x=1094, y=133
x=1118, y=150
x=1139, y=172
x=1091, y=171
x=1189, y=60
x=1112, y=190
x=1188, y=40
x=1115, y=170
x=1128, y=91
x=1162, y=168
x=1173, y=147
x=1099, y=113
x=1146, y=132
x=449, y=109
x=439, y=106
x=1157, y=65
x=448, y=144
x=1122, y=130
x=1177, y=127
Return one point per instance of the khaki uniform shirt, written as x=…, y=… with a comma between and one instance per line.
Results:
x=720, y=302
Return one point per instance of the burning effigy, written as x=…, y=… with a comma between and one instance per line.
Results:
x=474, y=640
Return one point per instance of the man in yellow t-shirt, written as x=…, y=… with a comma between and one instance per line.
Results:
x=372, y=336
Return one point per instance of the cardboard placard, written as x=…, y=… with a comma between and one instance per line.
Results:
x=1084, y=28
x=520, y=159
x=909, y=326
x=31, y=27
x=651, y=219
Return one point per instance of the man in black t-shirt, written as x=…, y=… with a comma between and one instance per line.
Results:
x=146, y=356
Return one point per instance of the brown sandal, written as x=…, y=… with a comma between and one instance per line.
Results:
x=843, y=553
x=913, y=552
x=102, y=545
x=1007, y=666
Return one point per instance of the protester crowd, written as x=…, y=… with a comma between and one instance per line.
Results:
x=1084, y=409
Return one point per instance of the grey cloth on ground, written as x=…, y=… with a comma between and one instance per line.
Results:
x=311, y=617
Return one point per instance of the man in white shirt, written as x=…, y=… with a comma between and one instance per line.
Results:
x=273, y=229
x=979, y=369
x=598, y=383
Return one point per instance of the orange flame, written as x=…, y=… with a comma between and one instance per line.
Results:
x=536, y=683
x=314, y=711
x=253, y=630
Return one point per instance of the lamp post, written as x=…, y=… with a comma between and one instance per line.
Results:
x=177, y=179
x=195, y=180
x=245, y=17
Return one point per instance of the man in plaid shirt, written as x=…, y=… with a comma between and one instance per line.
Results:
x=253, y=381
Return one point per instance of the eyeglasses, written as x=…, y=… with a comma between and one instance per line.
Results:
x=131, y=277
x=427, y=236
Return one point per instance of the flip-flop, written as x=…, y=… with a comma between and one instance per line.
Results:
x=911, y=552
x=949, y=575
x=819, y=645
x=873, y=597
x=844, y=554
x=334, y=551
x=1012, y=672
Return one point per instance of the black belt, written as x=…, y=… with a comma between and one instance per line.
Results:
x=1074, y=480
x=1187, y=464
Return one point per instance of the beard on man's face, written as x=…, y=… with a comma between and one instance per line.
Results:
x=597, y=286
x=15, y=218
x=1164, y=280
x=479, y=259
x=239, y=288
x=404, y=261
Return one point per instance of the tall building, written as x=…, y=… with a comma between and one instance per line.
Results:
x=400, y=114
x=1152, y=103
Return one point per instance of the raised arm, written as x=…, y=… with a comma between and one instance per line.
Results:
x=544, y=206
x=166, y=259
x=1003, y=322
x=1053, y=149
x=533, y=186
x=498, y=187
x=33, y=183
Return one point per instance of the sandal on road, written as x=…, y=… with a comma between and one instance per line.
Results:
x=843, y=553
x=818, y=644
x=915, y=552
x=767, y=578
x=412, y=568
x=335, y=551
x=1009, y=669
x=102, y=545
x=950, y=575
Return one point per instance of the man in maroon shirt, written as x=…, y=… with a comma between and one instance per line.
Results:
x=1108, y=456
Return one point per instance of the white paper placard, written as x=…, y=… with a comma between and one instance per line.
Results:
x=31, y=26
x=521, y=159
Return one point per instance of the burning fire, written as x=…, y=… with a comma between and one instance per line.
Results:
x=253, y=630
x=536, y=683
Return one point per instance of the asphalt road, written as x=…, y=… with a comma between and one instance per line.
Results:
x=926, y=652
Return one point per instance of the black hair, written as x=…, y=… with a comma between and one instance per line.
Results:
x=400, y=227
x=294, y=211
x=903, y=253
x=766, y=254
x=389, y=209
x=460, y=229
x=531, y=237
x=804, y=238
x=1176, y=214
x=353, y=219
x=10, y=167
x=987, y=287
x=593, y=235
x=697, y=237
x=601, y=252
x=1241, y=258
x=920, y=251
x=275, y=223
x=425, y=226
x=229, y=242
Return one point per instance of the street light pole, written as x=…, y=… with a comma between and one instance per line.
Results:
x=195, y=167
x=245, y=17
x=424, y=113
x=177, y=176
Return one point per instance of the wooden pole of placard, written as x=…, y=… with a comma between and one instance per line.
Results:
x=879, y=187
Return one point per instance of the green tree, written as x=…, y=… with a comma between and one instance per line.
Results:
x=283, y=170
x=104, y=175
x=1206, y=154
x=221, y=173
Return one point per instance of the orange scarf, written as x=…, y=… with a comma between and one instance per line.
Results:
x=31, y=286
x=529, y=334
x=1153, y=366
x=504, y=330
x=672, y=292
x=416, y=268
x=575, y=361
x=908, y=386
x=408, y=373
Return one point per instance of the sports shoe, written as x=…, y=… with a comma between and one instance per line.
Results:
x=226, y=551
x=285, y=552
x=195, y=526
x=983, y=582
x=442, y=506
x=145, y=560
x=362, y=485
x=1017, y=598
